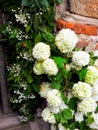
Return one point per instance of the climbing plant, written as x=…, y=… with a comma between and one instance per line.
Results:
x=45, y=69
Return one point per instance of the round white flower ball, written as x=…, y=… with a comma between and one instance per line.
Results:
x=95, y=91
x=81, y=90
x=54, y=98
x=80, y=58
x=48, y=116
x=92, y=75
x=50, y=67
x=96, y=63
x=38, y=68
x=41, y=51
x=79, y=116
x=94, y=125
x=61, y=127
x=87, y=105
x=44, y=88
x=66, y=40
x=96, y=53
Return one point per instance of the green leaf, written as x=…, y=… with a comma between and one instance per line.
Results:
x=27, y=2
x=82, y=74
x=56, y=85
x=28, y=28
x=67, y=114
x=60, y=61
x=48, y=36
x=73, y=103
x=38, y=38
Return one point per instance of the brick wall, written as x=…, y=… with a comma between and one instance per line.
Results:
x=82, y=17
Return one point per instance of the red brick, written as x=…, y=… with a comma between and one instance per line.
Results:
x=78, y=28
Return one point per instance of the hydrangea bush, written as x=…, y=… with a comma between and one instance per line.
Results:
x=45, y=69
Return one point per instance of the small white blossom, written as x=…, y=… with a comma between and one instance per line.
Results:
x=66, y=40
x=41, y=51
x=81, y=90
x=87, y=105
x=48, y=116
x=14, y=69
x=80, y=58
x=50, y=67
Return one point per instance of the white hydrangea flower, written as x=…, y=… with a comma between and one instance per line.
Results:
x=58, y=109
x=48, y=116
x=44, y=88
x=81, y=90
x=79, y=116
x=94, y=125
x=38, y=68
x=87, y=105
x=96, y=63
x=41, y=51
x=80, y=58
x=54, y=98
x=61, y=127
x=66, y=40
x=95, y=91
x=53, y=127
x=50, y=67
x=96, y=53
x=91, y=75
x=76, y=67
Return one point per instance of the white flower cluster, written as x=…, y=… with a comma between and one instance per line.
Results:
x=25, y=56
x=41, y=51
x=38, y=68
x=20, y=35
x=54, y=98
x=80, y=58
x=48, y=116
x=66, y=40
x=50, y=67
x=94, y=125
x=55, y=103
x=20, y=96
x=22, y=18
x=91, y=75
x=87, y=105
x=44, y=88
x=79, y=116
x=81, y=90
x=14, y=69
x=43, y=64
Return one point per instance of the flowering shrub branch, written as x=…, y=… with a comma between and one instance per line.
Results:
x=45, y=69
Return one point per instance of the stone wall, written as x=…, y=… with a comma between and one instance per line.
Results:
x=82, y=17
